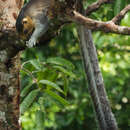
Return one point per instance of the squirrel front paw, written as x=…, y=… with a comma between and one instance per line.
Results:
x=31, y=43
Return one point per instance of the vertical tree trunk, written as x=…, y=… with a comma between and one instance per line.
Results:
x=9, y=66
x=9, y=94
x=108, y=115
x=100, y=101
x=105, y=117
x=90, y=78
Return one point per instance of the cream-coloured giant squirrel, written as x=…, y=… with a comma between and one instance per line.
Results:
x=33, y=20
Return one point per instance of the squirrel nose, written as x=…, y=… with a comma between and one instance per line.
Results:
x=25, y=31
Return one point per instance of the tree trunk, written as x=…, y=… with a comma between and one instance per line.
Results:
x=9, y=94
x=105, y=118
x=108, y=115
x=9, y=66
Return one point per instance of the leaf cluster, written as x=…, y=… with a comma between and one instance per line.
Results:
x=49, y=78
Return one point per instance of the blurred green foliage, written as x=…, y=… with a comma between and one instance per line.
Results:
x=48, y=111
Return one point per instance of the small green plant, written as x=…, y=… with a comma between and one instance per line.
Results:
x=48, y=79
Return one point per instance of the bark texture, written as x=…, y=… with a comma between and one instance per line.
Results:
x=106, y=109
x=105, y=117
x=9, y=66
x=91, y=81
x=9, y=94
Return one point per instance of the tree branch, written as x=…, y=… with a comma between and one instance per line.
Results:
x=88, y=66
x=109, y=27
x=121, y=15
x=96, y=5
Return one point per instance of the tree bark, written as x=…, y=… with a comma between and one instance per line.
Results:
x=97, y=91
x=9, y=94
x=9, y=66
x=105, y=117
x=108, y=115
x=91, y=81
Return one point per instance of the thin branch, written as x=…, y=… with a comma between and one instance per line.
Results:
x=96, y=5
x=109, y=27
x=29, y=73
x=121, y=15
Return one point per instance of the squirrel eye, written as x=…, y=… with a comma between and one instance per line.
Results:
x=24, y=22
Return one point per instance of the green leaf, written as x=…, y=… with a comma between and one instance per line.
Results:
x=40, y=119
x=65, y=85
x=65, y=71
x=52, y=85
x=57, y=97
x=62, y=62
x=28, y=100
x=35, y=64
x=25, y=90
x=42, y=74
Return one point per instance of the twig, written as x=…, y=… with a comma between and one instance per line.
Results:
x=96, y=5
x=30, y=74
x=121, y=15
